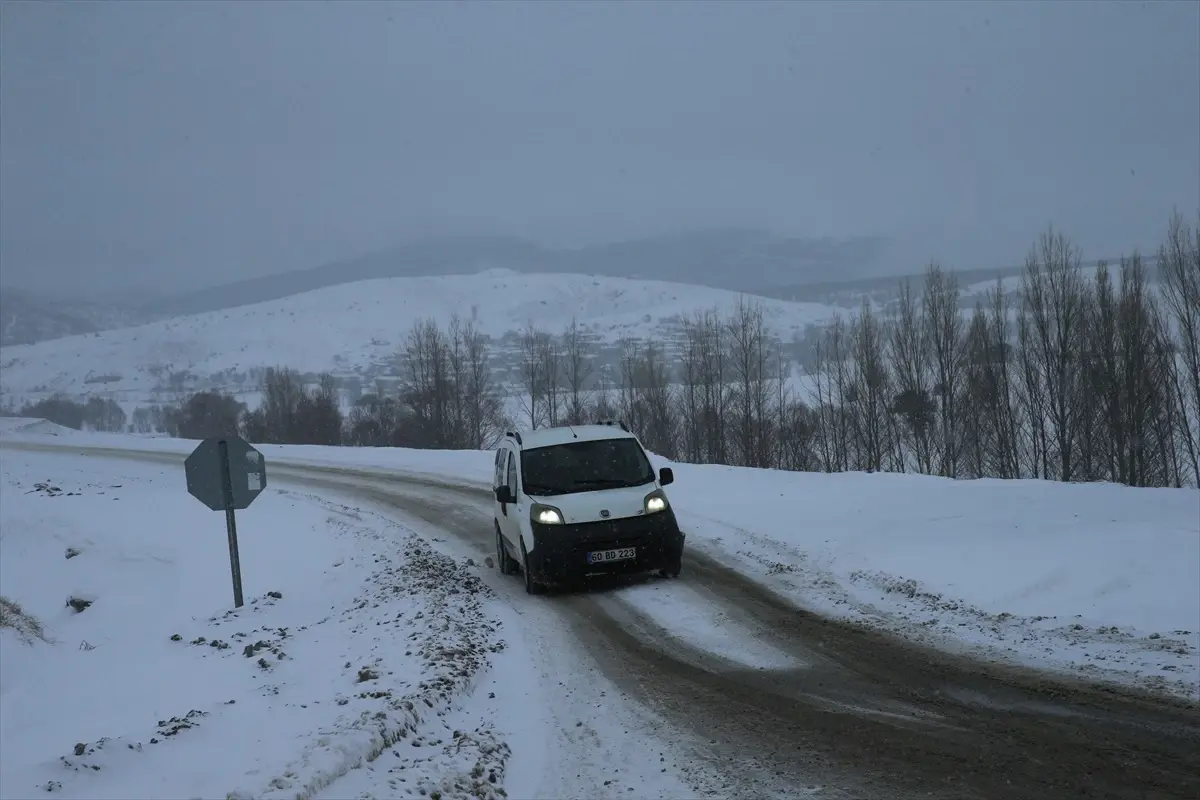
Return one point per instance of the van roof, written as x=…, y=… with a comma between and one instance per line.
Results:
x=565, y=434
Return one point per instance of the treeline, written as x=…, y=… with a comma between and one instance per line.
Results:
x=94, y=414
x=446, y=399
x=1071, y=376
x=202, y=414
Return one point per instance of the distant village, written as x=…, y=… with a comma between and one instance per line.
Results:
x=384, y=376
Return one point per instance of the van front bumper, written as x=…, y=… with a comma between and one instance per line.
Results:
x=560, y=552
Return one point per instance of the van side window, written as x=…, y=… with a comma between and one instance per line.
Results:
x=498, y=468
x=512, y=473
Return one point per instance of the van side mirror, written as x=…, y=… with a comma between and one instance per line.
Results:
x=666, y=476
x=504, y=495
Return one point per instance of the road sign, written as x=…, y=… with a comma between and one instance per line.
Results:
x=247, y=473
x=226, y=474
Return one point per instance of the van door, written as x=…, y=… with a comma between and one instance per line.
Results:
x=509, y=520
x=499, y=466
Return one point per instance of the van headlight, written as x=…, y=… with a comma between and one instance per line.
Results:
x=545, y=515
x=655, y=502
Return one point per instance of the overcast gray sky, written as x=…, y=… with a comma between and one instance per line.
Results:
x=175, y=144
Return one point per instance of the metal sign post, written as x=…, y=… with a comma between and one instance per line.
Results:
x=227, y=474
x=235, y=561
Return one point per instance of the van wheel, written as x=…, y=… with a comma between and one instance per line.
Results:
x=531, y=586
x=673, y=569
x=507, y=564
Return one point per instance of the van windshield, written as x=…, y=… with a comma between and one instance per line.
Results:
x=584, y=467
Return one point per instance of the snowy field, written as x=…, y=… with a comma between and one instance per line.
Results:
x=353, y=325
x=1094, y=580
x=137, y=677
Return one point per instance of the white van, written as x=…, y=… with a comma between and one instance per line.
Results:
x=579, y=500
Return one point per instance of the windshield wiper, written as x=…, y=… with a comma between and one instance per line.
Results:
x=540, y=488
x=611, y=483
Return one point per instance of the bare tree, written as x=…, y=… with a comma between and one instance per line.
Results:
x=969, y=365
x=375, y=421
x=1031, y=395
x=104, y=414
x=319, y=414
x=455, y=342
x=750, y=368
x=909, y=357
x=276, y=422
x=834, y=396
x=551, y=375
x=1103, y=372
x=484, y=422
x=1127, y=363
x=533, y=374
x=871, y=389
x=1055, y=298
x=714, y=387
x=448, y=397
x=822, y=400
x=987, y=418
x=427, y=390
x=630, y=403
x=577, y=372
x=291, y=414
x=1006, y=456
x=691, y=390
x=795, y=424
x=647, y=401
x=660, y=431
x=1179, y=265
x=944, y=333
x=603, y=407
x=783, y=401
x=973, y=411
x=1171, y=425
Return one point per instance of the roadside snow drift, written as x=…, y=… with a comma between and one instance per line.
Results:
x=1097, y=579
x=125, y=672
x=26, y=425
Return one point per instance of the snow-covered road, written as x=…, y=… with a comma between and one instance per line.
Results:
x=713, y=685
x=1095, y=581
x=370, y=659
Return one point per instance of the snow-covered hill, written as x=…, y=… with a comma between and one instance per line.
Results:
x=352, y=327
x=26, y=317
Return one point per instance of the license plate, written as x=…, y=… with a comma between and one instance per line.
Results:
x=605, y=556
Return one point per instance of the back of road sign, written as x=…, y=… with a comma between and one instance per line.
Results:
x=205, y=478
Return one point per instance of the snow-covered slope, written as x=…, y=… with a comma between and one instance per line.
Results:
x=350, y=327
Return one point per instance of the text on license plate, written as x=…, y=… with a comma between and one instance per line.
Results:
x=604, y=556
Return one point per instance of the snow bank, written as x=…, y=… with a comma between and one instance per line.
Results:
x=27, y=425
x=149, y=684
x=1095, y=578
